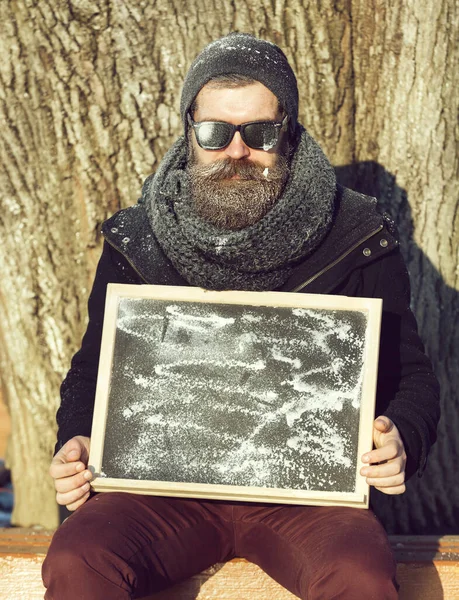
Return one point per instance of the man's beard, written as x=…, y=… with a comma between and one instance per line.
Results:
x=235, y=203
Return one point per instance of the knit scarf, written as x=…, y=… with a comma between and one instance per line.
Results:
x=258, y=257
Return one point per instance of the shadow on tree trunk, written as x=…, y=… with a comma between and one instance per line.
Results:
x=430, y=506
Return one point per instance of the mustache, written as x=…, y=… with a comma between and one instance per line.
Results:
x=246, y=170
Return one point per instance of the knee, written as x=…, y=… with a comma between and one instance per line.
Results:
x=67, y=557
x=357, y=575
x=76, y=566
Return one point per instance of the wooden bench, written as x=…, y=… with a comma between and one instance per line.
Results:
x=428, y=569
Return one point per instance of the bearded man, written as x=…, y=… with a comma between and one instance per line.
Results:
x=245, y=200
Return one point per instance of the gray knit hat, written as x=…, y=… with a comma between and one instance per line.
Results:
x=243, y=54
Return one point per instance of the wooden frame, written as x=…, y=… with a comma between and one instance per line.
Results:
x=358, y=497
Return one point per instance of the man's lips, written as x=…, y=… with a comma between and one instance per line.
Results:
x=232, y=178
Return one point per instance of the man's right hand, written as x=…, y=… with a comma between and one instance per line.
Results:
x=71, y=477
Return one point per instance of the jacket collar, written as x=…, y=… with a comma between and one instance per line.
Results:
x=129, y=232
x=358, y=236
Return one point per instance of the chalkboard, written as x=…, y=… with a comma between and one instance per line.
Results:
x=263, y=396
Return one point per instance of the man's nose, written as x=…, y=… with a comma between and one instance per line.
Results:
x=236, y=148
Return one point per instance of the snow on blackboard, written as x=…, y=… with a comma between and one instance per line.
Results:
x=235, y=395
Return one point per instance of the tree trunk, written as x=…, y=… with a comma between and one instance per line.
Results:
x=406, y=80
x=89, y=99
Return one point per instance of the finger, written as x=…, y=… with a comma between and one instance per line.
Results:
x=77, y=448
x=384, y=424
x=70, y=452
x=389, y=451
x=67, y=484
x=393, y=467
x=386, y=482
x=59, y=470
x=78, y=503
x=392, y=491
x=64, y=499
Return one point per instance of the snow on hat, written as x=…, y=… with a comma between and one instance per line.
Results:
x=243, y=54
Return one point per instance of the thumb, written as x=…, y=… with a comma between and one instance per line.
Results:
x=383, y=424
x=71, y=451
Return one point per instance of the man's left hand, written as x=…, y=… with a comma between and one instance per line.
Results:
x=385, y=468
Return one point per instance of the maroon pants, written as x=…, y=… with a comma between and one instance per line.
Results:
x=122, y=546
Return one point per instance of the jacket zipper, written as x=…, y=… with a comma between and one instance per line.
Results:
x=337, y=260
x=129, y=261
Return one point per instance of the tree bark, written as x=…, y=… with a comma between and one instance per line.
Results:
x=89, y=100
x=406, y=75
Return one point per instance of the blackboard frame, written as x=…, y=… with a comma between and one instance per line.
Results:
x=359, y=498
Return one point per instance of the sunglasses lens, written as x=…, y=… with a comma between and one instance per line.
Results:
x=261, y=136
x=213, y=136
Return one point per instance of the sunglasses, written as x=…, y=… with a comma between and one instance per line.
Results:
x=258, y=135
